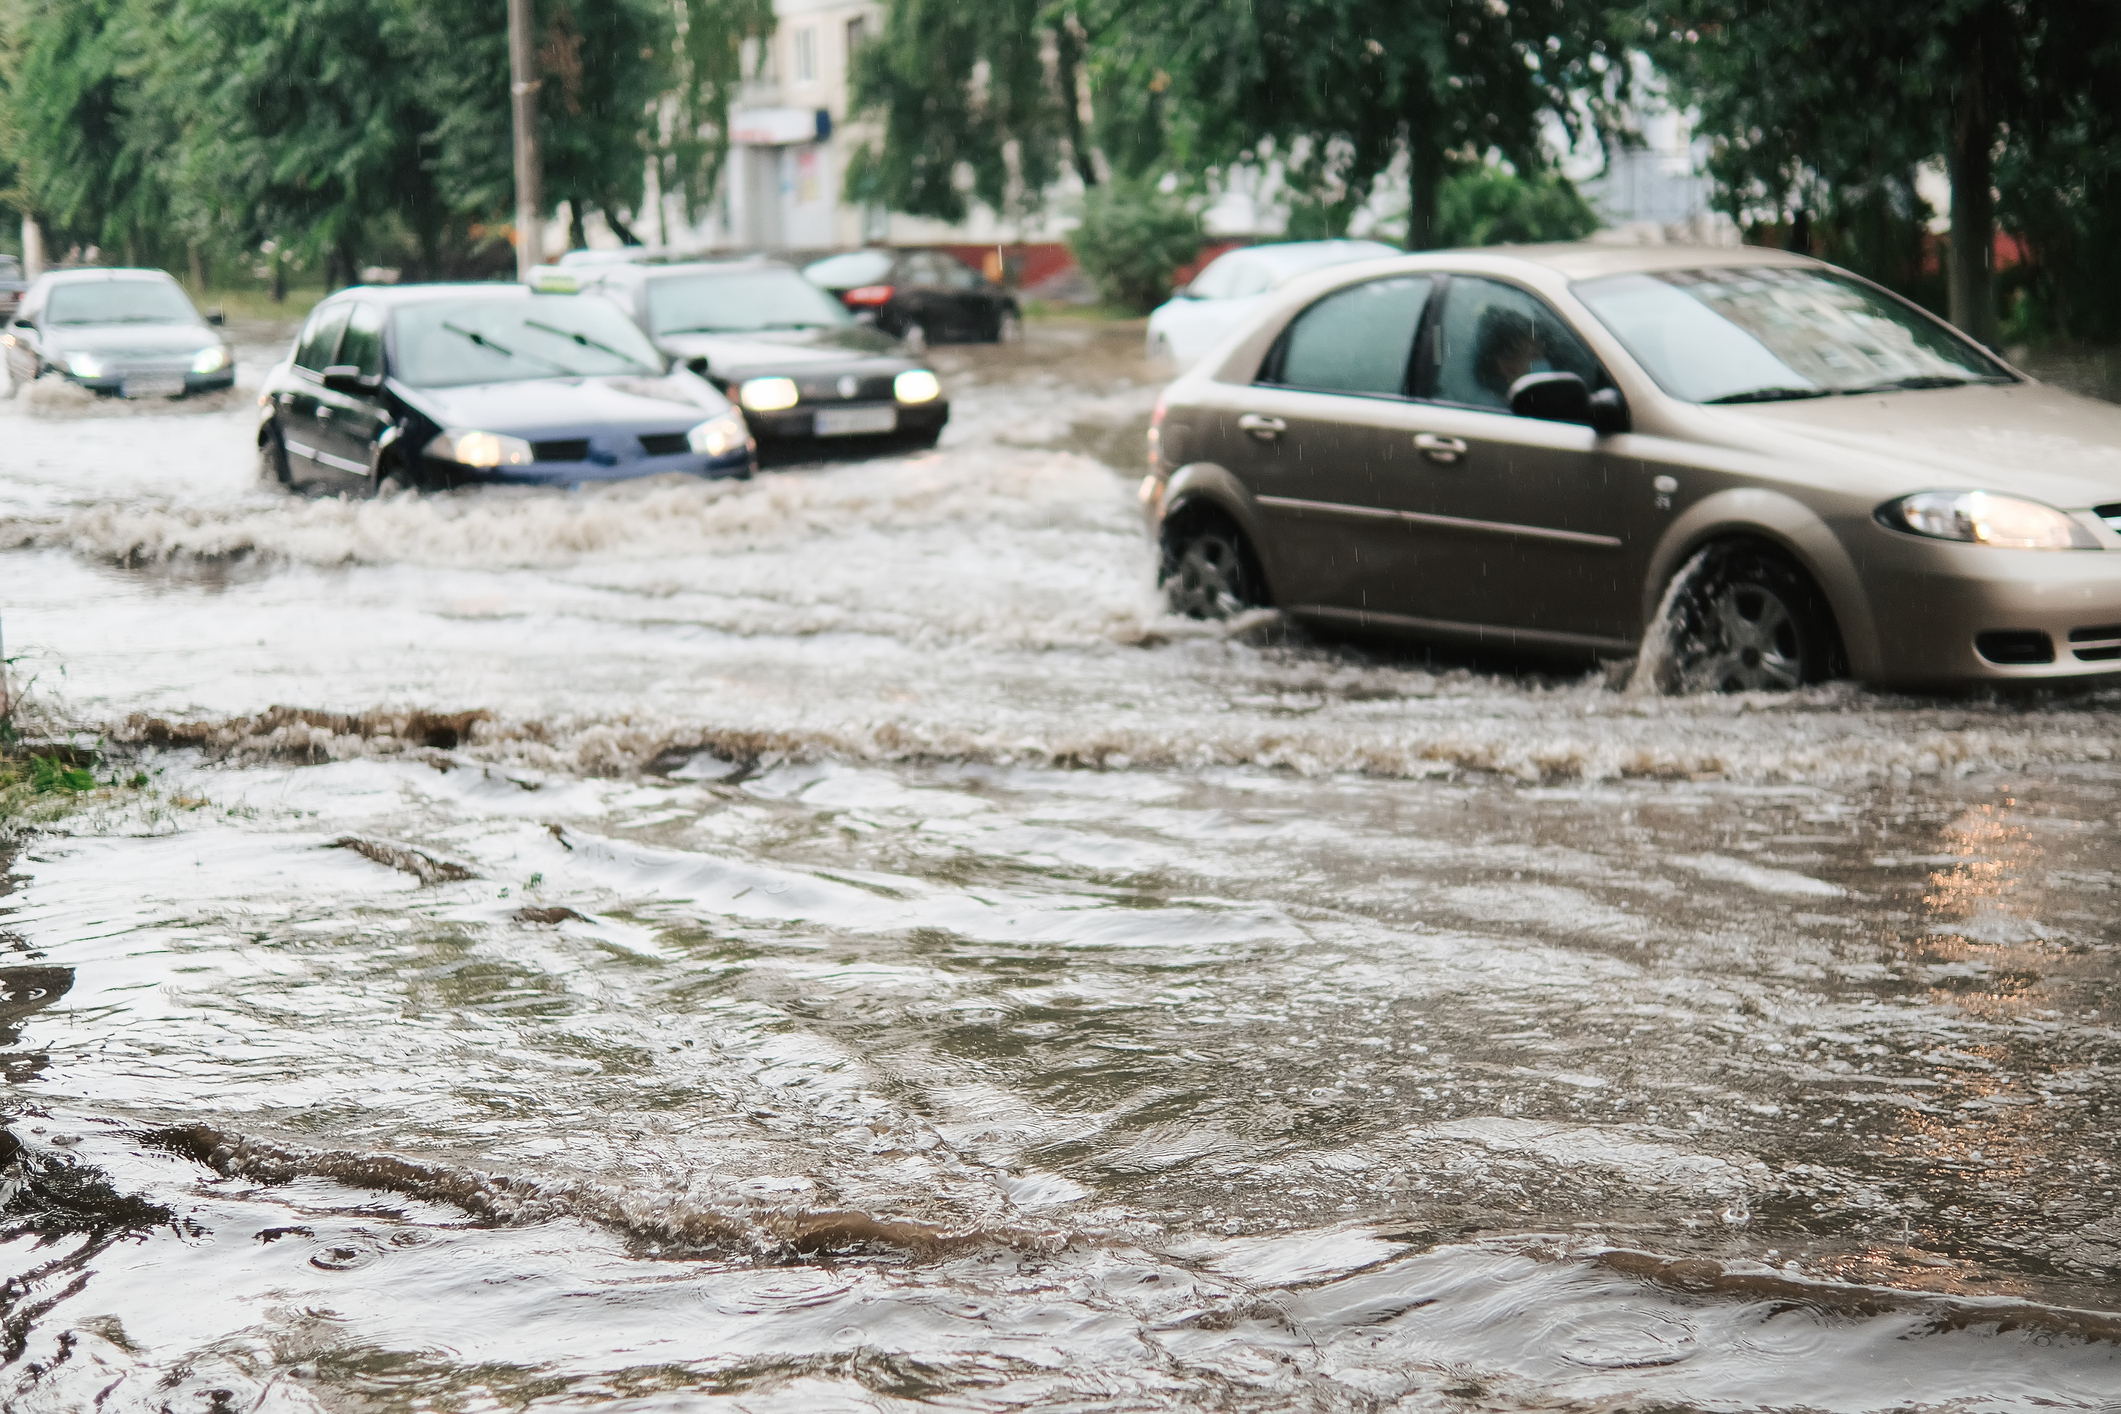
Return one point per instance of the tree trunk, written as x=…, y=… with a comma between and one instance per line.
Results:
x=1973, y=304
x=577, y=234
x=1801, y=232
x=279, y=278
x=1065, y=67
x=619, y=227
x=1424, y=161
x=198, y=271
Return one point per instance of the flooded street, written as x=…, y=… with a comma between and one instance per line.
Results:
x=833, y=943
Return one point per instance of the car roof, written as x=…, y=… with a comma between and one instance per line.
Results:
x=1585, y=260
x=1305, y=255
x=414, y=294
x=737, y=265
x=102, y=274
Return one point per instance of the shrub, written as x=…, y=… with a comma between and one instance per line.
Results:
x=1491, y=206
x=1132, y=240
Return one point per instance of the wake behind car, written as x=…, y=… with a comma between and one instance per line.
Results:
x=800, y=366
x=128, y=332
x=921, y=297
x=446, y=385
x=1775, y=470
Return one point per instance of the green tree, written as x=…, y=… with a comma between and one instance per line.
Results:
x=692, y=141
x=86, y=157
x=1132, y=239
x=1491, y=206
x=1818, y=103
x=965, y=86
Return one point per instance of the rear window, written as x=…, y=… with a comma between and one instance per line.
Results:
x=846, y=272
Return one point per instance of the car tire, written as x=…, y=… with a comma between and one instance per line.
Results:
x=1741, y=617
x=914, y=336
x=1009, y=327
x=387, y=479
x=1209, y=570
x=272, y=458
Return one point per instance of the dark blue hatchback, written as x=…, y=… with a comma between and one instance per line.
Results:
x=447, y=385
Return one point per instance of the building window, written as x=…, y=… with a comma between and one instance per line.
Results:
x=857, y=35
x=805, y=55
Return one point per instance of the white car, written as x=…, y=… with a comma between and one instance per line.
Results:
x=1236, y=283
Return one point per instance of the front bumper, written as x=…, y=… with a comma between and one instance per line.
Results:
x=800, y=423
x=740, y=463
x=113, y=384
x=1952, y=613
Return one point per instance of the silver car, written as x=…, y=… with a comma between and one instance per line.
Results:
x=1776, y=470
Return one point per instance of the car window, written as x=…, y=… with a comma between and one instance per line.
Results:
x=1492, y=334
x=449, y=343
x=320, y=337
x=1750, y=334
x=849, y=271
x=363, y=344
x=1213, y=282
x=120, y=302
x=741, y=302
x=1357, y=340
x=956, y=275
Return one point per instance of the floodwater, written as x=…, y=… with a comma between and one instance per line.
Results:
x=832, y=943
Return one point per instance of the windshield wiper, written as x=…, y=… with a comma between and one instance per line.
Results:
x=1916, y=382
x=1772, y=395
x=485, y=343
x=701, y=329
x=583, y=339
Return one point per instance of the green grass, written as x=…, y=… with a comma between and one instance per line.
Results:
x=257, y=306
x=1080, y=313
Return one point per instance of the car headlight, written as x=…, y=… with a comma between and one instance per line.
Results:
x=769, y=394
x=84, y=366
x=480, y=449
x=211, y=360
x=1985, y=518
x=916, y=385
x=720, y=436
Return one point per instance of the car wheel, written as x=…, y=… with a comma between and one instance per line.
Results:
x=1743, y=618
x=914, y=336
x=1209, y=571
x=272, y=458
x=387, y=479
x=1009, y=328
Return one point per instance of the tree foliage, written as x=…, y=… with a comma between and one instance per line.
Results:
x=1132, y=238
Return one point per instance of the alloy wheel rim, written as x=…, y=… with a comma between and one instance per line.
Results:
x=1208, y=577
x=1749, y=644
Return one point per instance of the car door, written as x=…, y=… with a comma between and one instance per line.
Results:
x=348, y=422
x=296, y=413
x=964, y=295
x=1317, y=439
x=1514, y=520
x=921, y=297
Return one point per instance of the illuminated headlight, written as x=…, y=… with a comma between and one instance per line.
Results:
x=769, y=394
x=1985, y=518
x=211, y=360
x=719, y=437
x=85, y=366
x=916, y=385
x=480, y=449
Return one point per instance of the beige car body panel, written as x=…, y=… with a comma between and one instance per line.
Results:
x=1806, y=475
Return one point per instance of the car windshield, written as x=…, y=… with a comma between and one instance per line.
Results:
x=845, y=272
x=741, y=302
x=1769, y=333
x=450, y=343
x=120, y=302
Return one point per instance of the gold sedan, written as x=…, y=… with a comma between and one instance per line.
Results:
x=1783, y=471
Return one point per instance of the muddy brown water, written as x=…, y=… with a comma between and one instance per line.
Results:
x=833, y=943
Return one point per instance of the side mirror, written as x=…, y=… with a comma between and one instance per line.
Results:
x=1609, y=413
x=1551, y=397
x=698, y=364
x=215, y=317
x=349, y=379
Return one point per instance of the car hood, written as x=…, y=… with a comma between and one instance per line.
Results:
x=134, y=338
x=792, y=351
x=2027, y=438
x=540, y=407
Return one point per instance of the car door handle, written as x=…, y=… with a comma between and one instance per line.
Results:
x=1266, y=429
x=323, y=414
x=1440, y=449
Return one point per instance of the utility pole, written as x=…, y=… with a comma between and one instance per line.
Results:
x=32, y=248
x=530, y=173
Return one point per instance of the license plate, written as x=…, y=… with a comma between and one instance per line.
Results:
x=851, y=422
x=153, y=387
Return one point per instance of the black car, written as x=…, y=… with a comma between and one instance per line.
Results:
x=801, y=367
x=127, y=332
x=443, y=385
x=921, y=296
